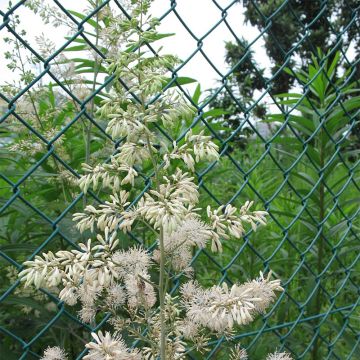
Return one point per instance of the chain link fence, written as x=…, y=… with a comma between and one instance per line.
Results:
x=303, y=171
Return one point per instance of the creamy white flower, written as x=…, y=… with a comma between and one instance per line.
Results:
x=69, y=294
x=127, y=219
x=90, y=289
x=107, y=347
x=27, y=147
x=197, y=147
x=133, y=261
x=179, y=244
x=54, y=353
x=87, y=219
x=203, y=147
x=252, y=217
x=108, y=215
x=108, y=243
x=140, y=292
x=219, y=307
x=237, y=353
x=174, y=107
x=91, y=266
x=42, y=271
x=134, y=153
x=125, y=122
x=188, y=329
x=87, y=314
x=194, y=231
x=279, y=356
x=228, y=221
x=116, y=296
x=110, y=175
x=167, y=207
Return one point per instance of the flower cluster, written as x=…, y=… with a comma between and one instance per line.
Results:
x=179, y=244
x=107, y=347
x=220, y=308
x=229, y=221
x=279, y=356
x=237, y=353
x=197, y=147
x=54, y=353
x=94, y=272
x=108, y=215
x=167, y=206
x=108, y=175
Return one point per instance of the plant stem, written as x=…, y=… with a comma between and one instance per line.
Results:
x=162, y=275
x=92, y=103
x=162, y=293
x=320, y=255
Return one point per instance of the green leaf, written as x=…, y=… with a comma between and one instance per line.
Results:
x=306, y=177
x=18, y=247
x=197, y=93
x=14, y=300
x=215, y=113
x=77, y=48
x=332, y=68
x=155, y=37
x=180, y=81
x=90, y=21
x=51, y=95
x=289, y=95
x=77, y=40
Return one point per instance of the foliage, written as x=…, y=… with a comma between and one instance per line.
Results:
x=309, y=179
x=293, y=31
x=283, y=171
x=245, y=79
x=324, y=24
x=324, y=125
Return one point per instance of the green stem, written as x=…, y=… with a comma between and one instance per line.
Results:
x=162, y=275
x=92, y=104
x=320, y=255
x=162, y=293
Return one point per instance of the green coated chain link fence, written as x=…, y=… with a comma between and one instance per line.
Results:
x=296, y=155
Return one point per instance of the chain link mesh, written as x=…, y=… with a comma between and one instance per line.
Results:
x=296, y=323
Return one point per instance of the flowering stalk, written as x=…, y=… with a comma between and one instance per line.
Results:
x=162, y=273
x=105, y=279
x=162, y=289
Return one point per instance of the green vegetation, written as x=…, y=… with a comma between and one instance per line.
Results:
x=305, y=172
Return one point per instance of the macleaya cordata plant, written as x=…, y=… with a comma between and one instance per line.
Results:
x=103, y=278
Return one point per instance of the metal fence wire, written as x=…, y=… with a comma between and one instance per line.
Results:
x=310, y=187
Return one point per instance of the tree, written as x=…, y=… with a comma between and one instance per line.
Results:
x=299, y=27
x=293, y=30
x=246, y=77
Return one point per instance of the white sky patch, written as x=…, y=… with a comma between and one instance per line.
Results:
x=199, y=16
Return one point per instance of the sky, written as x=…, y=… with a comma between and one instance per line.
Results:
x=199, y=15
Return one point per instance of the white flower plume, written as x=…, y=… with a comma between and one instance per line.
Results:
x=220, y=308
x=229, y=221
x=54, y=353
x=279, y=356
x=237, y=353
x=167, y=207
x=179, y=244
x=107, y=347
